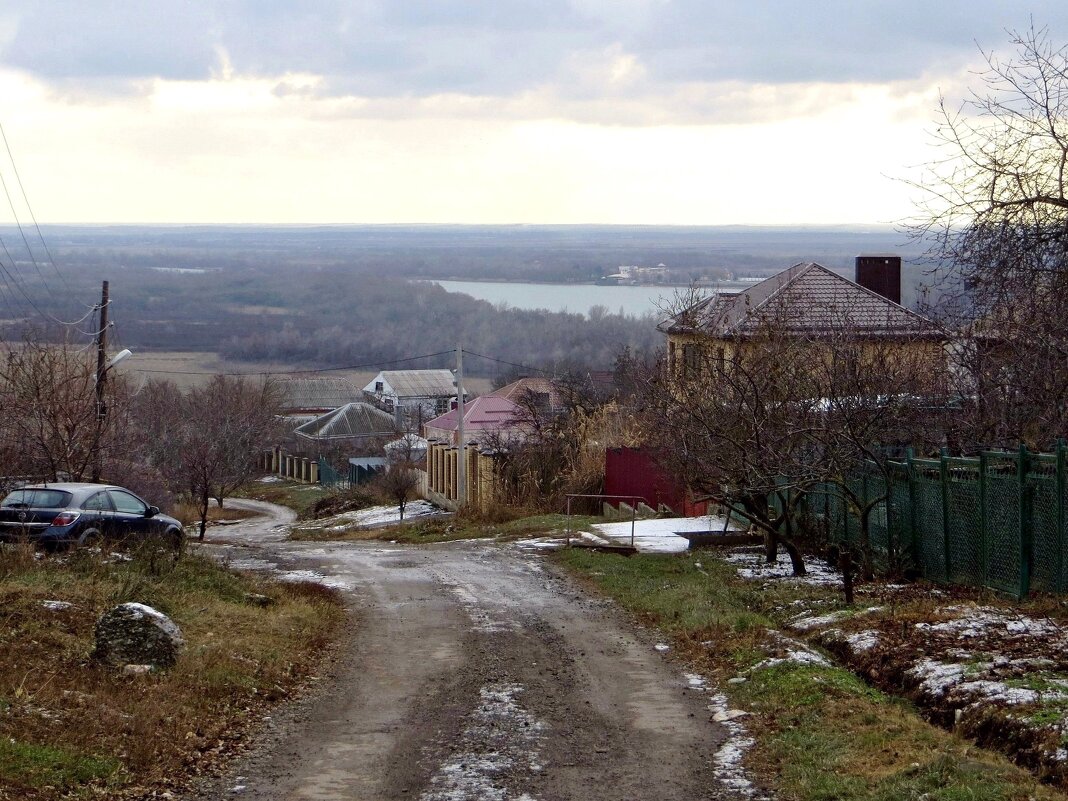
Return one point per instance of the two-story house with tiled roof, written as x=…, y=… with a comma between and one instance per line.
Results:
x=809, y=302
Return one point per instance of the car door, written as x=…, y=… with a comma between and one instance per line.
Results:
x=130, y=521
x=99, y=514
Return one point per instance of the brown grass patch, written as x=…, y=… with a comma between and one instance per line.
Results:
x=77, y=726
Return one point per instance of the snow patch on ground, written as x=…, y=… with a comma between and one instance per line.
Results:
x=982, y=621
x=998, y=691
x=727, y=761
x=382, y=515
x=476, y=611
x=500, y=740
x=56, y=606
x=313, y=577
x=862, y=641
x=805, y=623
x=750, y=564
x=543, y=544
x=792, y=650
x=658, y=535
x=936, y=678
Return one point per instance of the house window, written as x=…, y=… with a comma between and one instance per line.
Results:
x=378, y=386
x=721, y=360
x=441, y=405
x=691, y=358
x=672, y=362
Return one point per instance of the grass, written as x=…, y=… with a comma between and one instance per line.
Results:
x=464, y=526
x=187, y=513
x=821, y=733
x=72, y=727
x=298, y=497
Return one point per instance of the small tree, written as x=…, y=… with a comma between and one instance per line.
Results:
x=401, y=479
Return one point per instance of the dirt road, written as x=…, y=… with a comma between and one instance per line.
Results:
x=472, y=671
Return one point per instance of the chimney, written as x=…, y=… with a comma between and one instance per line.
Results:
x=881, y=274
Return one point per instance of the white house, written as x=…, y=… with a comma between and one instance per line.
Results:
x=421, y=394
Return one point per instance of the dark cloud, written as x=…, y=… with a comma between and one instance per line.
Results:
x=501, y=47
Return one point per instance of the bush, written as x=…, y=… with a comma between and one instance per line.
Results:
x=349, y=500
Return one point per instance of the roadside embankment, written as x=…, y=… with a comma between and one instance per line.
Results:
x=808, y=728
x=71, y=726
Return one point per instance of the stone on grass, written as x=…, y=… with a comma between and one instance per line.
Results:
x=135, y=634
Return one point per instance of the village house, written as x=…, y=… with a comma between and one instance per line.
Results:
x=809, y=302
x=305, y=398
x=419, y=394
x=490, y=424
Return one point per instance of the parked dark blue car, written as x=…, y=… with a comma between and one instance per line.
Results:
x=59, y=515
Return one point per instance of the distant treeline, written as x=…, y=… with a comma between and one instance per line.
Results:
x=385, y=319
x=324, y=317
x=338, y=295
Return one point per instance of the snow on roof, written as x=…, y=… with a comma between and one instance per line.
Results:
x=482, y=414
x=417, y=383
x=805, y=299
x=351, y=420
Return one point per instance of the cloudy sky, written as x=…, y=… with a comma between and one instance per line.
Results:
x=493, y=111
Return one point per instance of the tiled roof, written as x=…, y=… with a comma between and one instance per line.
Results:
x=482, y=414
x=350, y=421
x=318, y=393
x=805, y=299
x=418, y=383
x=538, y=386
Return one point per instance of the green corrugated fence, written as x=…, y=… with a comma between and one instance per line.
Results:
x=995, y=521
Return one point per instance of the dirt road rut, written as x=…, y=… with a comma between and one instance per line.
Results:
x=474, y=671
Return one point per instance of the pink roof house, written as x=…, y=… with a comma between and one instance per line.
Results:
x=484, y=416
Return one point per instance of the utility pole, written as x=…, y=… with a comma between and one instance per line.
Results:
x=461, y=460
x=101, y=377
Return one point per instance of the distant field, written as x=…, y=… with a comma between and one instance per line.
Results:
x=189, y=368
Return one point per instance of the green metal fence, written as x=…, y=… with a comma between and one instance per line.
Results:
x=329, y=477
x=995, y=521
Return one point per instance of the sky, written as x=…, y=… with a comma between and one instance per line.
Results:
x=687, y=112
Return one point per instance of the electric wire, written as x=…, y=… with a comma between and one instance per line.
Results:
x=364, y=366
x=26, y=200
x=510, y=364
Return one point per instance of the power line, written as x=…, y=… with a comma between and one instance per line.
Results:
x=29, y=208
x=510, y=364
x=300, y=372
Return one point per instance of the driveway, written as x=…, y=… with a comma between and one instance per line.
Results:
x=471, y=671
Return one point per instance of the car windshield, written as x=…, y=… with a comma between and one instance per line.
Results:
x=37, y=499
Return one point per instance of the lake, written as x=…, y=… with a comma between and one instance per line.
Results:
x=632, y=300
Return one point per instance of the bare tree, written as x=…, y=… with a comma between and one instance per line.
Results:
x=736, y=429
x=401, y=479
x=995, y=214
x=878, y=396
x=52, y=425
x=205, y=441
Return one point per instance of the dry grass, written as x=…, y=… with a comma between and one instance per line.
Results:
x=188, y=513
x=820, y=732
x=69, y=725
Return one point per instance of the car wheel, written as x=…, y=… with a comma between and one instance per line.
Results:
x=174, y=542
x=89, y=538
